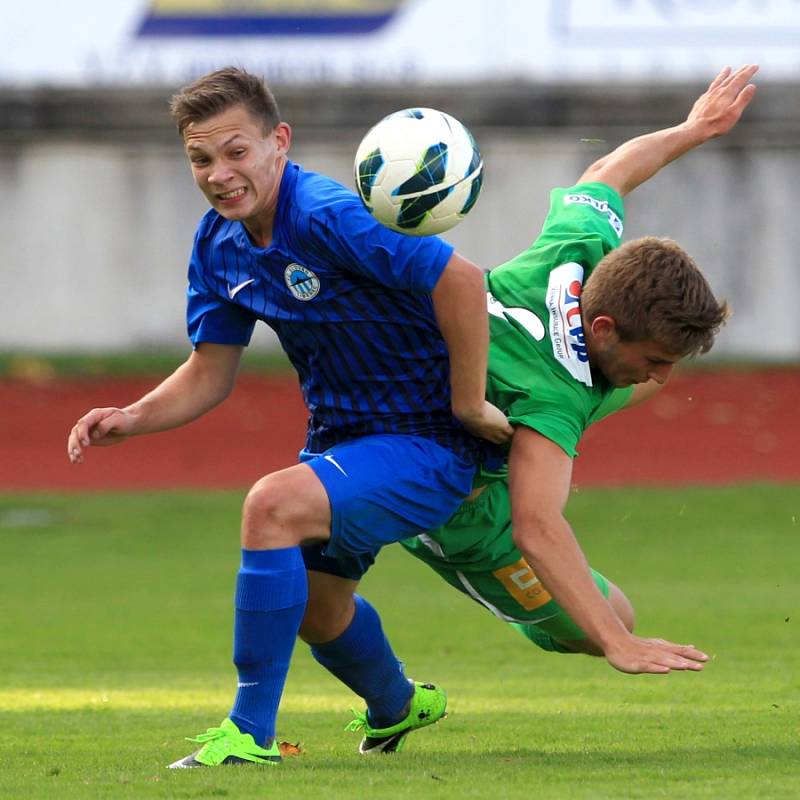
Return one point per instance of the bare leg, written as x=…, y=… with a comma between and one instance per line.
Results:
x=330, y=607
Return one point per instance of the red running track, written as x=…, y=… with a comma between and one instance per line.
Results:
x=704, y=428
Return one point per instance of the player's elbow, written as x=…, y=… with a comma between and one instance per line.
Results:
x=221, y=388
x=210, y=390
x=594, y=172
x=532, y=534
x=209, y=380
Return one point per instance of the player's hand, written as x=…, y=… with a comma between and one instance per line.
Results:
x=99, y=428
x=717, y=110
x=488, y=423
x=636, y=655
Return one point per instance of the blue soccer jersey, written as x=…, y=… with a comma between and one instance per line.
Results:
x=350, y=302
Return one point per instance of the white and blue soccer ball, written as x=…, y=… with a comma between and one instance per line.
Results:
x=419, y=171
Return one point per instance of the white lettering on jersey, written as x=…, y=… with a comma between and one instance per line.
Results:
x=599, y=205
x=566, y=327
x=523, y=316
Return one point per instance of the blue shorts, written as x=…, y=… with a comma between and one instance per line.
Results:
x=383, y=489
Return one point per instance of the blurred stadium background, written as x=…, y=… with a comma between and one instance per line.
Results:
x=99, y=209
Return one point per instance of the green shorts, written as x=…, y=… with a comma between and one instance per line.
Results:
x=474, y=552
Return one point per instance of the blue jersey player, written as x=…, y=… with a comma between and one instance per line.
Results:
x=389, y=336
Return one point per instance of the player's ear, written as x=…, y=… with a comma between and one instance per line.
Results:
x=603, y=328
x=283, y=137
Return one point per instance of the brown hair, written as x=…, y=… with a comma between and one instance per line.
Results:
x=653, y=290
x=218, y=91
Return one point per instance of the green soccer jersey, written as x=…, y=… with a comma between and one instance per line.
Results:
x=538, y=364
x=539, y=375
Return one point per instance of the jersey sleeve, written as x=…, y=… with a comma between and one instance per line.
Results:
x=546, y=416
x=210, y=318
x=583, y=225
x=586, y=211
x=552, y=420
x=555, y=406
x=354, y=240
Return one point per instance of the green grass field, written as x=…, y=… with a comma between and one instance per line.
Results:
x=115, y=632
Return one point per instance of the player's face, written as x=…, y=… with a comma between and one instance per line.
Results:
x=625, y=363
x=236, y=165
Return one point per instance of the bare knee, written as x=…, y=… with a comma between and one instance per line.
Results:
x=284, y=509
x=265, y=517
x=623, y=607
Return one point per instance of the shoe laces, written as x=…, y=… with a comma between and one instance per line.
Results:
x=216, y=743
x=359, y=722
x=209, y=736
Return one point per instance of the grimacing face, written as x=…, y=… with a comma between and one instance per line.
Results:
x=235, y=164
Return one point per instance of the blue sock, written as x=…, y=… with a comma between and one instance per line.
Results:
x=271, y=593
x=363, y=660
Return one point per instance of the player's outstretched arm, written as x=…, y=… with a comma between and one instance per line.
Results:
x=201, y=382
x=714, y=113
x=539, y=477
x=459, y=301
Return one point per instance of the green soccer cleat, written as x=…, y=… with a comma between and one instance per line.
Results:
x=228, y=745
x=428, y=705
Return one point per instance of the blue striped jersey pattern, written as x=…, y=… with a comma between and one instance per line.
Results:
x=350, y=302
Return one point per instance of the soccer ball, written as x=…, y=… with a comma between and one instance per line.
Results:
x=418, y=171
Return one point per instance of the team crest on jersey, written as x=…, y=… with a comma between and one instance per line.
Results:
x=566, y=327
x=302, y=282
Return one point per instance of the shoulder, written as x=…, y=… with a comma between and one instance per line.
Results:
x=585, y=223
x=317, y=210
x=558, y=406
x=325, y=217
x=325, y=212
x=587, y=208
x=317, y=194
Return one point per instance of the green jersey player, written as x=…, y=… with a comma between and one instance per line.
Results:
x=576, y=321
